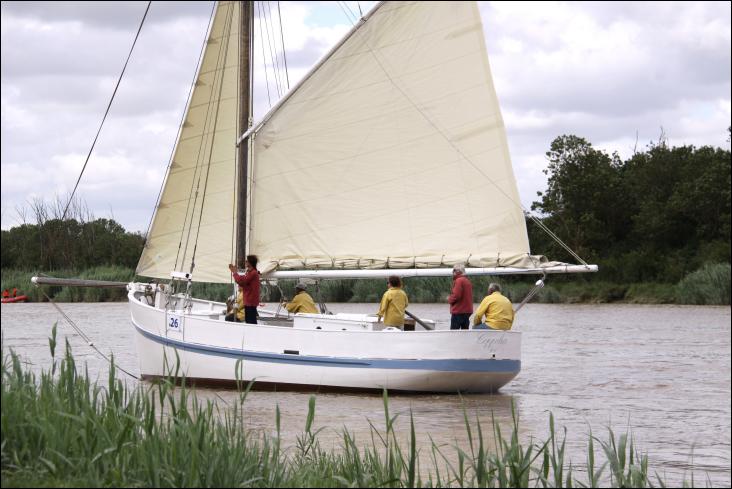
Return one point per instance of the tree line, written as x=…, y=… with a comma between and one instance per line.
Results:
x=655, y=217
x=75, y=241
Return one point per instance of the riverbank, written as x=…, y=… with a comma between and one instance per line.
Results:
x=710, y=285
x=63, y=429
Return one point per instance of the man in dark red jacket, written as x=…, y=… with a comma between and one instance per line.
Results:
x=461, y=298
x=249, y=282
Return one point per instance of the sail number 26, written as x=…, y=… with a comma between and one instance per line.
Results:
x=174, y=323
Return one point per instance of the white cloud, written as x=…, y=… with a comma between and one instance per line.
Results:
x=605, y=71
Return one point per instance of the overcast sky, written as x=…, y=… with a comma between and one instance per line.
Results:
x=610, y=72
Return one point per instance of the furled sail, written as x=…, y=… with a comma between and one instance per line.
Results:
x=194, y=218
x=391, y=153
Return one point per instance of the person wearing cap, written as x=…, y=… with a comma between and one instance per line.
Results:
x=497, y=310
x=249, y=282
x=302, y=302
x=461, y=298
x=393, y=303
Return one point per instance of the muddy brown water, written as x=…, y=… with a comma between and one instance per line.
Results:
x=662, y=372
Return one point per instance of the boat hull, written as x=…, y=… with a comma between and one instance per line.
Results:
x=204, y=349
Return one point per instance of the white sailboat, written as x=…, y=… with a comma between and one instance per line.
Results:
x=388, y=158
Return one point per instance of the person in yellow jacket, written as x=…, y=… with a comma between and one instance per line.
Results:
x=496, y=308
x=393, y=304
x=302, y=302
x=239, y=307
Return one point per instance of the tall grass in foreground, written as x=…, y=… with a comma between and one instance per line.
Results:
x=62, y=429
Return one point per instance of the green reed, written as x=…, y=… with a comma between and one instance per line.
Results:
x=60, y=428
x=21, y=279
x=709, y=285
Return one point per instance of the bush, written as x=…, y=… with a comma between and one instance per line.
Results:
x=549, y=295
x=369, y=290
x=710, y=285
x=651, y=293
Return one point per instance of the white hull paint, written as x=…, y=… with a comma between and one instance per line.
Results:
x=340, y=351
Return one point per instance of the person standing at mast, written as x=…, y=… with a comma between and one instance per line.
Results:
x=249, y=282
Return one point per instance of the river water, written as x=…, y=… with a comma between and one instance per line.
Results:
x=661, y=372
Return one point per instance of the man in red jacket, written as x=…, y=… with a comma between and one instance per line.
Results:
x=461, y=298
x=249, y=283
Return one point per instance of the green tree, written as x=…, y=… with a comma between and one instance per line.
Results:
x=585, y=199
x=56, y=244
x=657, y=216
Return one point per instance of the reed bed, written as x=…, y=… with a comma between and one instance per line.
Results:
x=62, y=429
x=21, y=279
x=710, y=285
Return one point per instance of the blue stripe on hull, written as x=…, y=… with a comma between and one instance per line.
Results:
x=443, y=365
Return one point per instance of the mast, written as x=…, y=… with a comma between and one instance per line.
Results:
x=246, y=44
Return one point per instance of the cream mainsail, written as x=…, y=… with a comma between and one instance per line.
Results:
x=196, y=210
x=391, y=153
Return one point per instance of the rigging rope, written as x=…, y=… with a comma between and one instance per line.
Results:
x=83, y=335
x=275, y=65
x=106, y=112
x=284, y=51
x=264, y=57
x=538, y=286
x=210, y=152
x=349, y=17
x=355, y=17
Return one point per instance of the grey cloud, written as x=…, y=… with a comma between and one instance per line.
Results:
x=110, y=15
x=658, y=86
x=659, y=70
x=659, y=13
x=58, y=85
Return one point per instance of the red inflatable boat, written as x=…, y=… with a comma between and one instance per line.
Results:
x=20, y=298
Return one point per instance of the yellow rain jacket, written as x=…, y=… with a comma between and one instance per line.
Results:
x=302, y=302
x=497, y=310
x=240, y=306
x=393, y=304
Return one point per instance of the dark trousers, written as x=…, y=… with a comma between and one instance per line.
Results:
x=460, y=321
x=250, y=314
